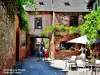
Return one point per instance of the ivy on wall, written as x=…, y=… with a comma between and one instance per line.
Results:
x=23, y=16
x=24, y=25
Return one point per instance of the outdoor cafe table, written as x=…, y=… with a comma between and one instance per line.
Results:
x=93, y=65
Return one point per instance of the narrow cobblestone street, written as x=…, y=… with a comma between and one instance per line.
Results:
x=34, y=67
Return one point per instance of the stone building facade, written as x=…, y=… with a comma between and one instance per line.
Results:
x=64, y=18
x=8, y=27
x=62, y=12
x=12, y=39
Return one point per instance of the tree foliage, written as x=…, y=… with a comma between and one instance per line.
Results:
x=26, y=2
x=57, y=29
x=45, y=41
x=91, y=26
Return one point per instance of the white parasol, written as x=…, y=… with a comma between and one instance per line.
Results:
x=81, y=40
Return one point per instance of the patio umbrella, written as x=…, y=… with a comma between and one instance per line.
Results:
x=83, y=40
x=80, y=40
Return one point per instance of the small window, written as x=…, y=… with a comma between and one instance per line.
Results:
x=41, y=3
x=38, y=23
x=73, y=20
x=67, y=4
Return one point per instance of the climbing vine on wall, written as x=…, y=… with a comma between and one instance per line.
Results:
x=24, y=25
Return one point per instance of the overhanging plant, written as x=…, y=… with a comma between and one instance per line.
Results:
x=58, y=30
x=91, y=26
x=23, y=16
x=24, y=25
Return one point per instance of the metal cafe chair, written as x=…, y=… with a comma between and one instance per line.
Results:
x=70, y=62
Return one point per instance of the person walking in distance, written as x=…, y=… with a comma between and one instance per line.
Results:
x=39, y=52
x=45, y=54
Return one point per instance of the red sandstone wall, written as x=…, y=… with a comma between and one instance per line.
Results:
x=22, y=48
x=64, y=38
x=62, y=54
x=10, y=61
x=22, y=53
